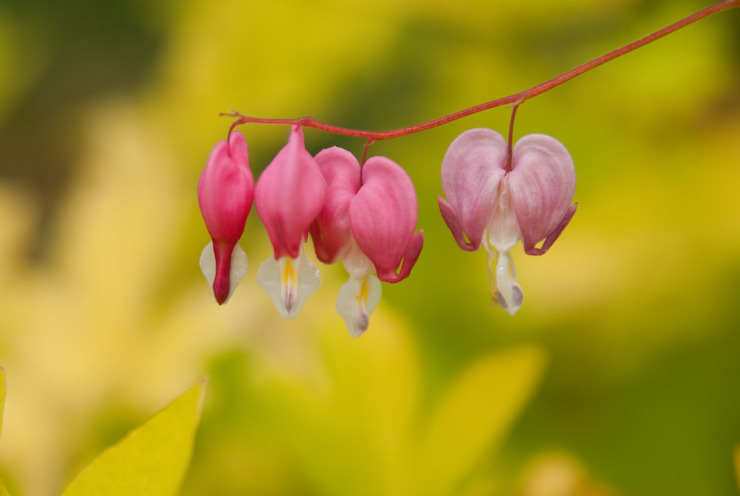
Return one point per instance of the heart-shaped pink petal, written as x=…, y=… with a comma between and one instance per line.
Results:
x=383, y=219
x=542, y=182
x=471, y=170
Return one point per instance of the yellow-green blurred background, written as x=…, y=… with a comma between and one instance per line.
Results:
x=619, y=375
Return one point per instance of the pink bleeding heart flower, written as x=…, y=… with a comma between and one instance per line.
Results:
x=225, y=193
x=289, y=195
x=368, y=221
x=488, y=203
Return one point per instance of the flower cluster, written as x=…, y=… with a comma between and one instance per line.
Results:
x=365, y=215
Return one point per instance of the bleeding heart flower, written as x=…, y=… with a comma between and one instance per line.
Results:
x=289, y=195
x=225, y=192
x=530, y=201
x=368, y=221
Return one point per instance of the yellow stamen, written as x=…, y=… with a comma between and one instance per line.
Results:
x=288, y=273
x=362, y=294
x=289, y=282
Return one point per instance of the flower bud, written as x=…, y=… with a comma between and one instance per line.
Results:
x=225, y=193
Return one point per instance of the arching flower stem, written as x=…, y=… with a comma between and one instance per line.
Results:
x=514, y=107
x=516, y=99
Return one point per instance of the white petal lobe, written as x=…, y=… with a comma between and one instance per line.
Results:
x=288, y=282
x=509, y=293
x=236, y=273
x=357, y=300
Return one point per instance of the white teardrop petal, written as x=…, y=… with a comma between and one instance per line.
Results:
x=208, y=263
x=238, y=268
x=308, y=281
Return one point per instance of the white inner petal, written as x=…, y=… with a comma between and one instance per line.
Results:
x=509, y=294
x=503, y=229
x=356, y=262
x=357, y=300
x=237, y=270
x=288, y=282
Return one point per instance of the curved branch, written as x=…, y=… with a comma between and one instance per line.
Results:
x=516, y=99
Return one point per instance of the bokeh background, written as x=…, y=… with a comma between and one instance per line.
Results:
x=619, y=375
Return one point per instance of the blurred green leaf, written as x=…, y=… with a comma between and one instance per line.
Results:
x=150, y=460
x=475, y=415
x=737, y=465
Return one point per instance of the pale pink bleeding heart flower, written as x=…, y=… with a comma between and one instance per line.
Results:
x=491, y=204
x=368, y=221
x=289, y=195
x=225, y=193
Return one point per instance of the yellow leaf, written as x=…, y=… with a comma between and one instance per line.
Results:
x=152, y=459
x=2, y=396
x=3, y=491
x=475, y=415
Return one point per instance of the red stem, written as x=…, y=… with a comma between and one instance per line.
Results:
x=509, y=157
x=517, y=98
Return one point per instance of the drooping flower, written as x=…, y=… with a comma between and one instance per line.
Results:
x=368, y=221
x=225, y=193
x=289, y=195
x=491, y=204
